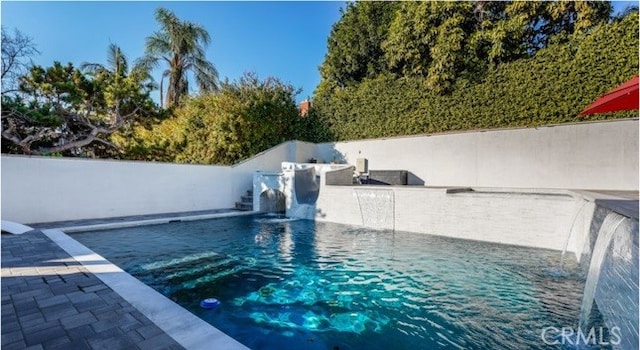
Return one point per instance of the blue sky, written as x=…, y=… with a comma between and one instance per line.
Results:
x=287, y=40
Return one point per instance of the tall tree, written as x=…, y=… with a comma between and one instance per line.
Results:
x=180, y=45
x=444, y=41
x=117, y=63
x=428, y=39
x=507, y=31
x=354, y=45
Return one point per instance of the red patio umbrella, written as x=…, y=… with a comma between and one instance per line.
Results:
x=622, y=98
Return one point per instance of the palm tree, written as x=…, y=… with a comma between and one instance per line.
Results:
x=181, y=45
x=116, y=63
x=118, y=69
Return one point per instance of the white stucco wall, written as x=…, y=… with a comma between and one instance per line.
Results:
x=602, y=155
x=36, y=189
x=304, y=152
x=44, y=189
x=599, y=155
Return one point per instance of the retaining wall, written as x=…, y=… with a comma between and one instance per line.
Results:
x=599, y=155
x=55, y=189
x=44, y=189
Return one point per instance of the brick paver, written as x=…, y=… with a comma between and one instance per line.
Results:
x=50, y=301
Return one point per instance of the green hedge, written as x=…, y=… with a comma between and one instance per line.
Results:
x=551, y=87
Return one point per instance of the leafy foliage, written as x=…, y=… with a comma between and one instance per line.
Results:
x=512, y=30
x=244, y=118
x=442, y=41
x=393, y=68
x=428, y=39
x=355, y=42
x=551, y=87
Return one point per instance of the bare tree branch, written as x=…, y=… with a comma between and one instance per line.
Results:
x=77, y=140
x=17, y=51
x=105, y=142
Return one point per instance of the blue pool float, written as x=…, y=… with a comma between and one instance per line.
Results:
x=210, y=303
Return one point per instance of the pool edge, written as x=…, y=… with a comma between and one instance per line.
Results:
x=166, y=220
x=184, y=327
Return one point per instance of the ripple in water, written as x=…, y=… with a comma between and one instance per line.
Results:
x=288, y=284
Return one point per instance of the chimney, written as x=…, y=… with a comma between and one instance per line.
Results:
x=304, y=107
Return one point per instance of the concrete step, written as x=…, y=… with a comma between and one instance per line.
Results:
x=247, y=199
x=244, y=206
x=250, y=193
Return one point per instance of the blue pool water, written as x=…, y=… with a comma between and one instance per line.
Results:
x=301, y=284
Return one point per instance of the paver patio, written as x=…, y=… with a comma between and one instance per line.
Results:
x=50, y=301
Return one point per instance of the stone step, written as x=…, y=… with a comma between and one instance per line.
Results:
x=244, y=206
x=250, y=193
x=247, y=199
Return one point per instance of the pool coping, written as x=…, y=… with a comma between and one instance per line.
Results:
x=184, y=327
x=146, y=222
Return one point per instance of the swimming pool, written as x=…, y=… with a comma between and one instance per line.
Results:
x=287, y=284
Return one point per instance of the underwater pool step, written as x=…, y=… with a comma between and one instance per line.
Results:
x=189, y=259
x=208, y=278
x=197, y=272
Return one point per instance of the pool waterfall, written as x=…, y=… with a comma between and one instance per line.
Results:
x=300, y=185
x=572, y=227
x=612, y=279
x=272, y=201
x=377, y=208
